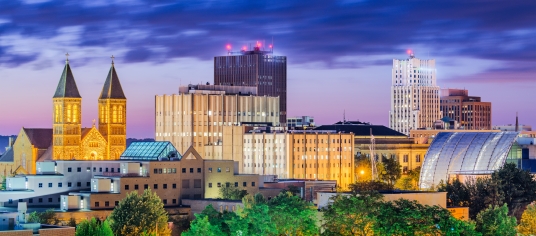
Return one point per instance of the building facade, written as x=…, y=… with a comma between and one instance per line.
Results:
x=469, y=111
x=196, y=117
x=300, y=122
x=414, y=95
x=257, y=68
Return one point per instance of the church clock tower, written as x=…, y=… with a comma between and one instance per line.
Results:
x=113, y=115
x=67, y=117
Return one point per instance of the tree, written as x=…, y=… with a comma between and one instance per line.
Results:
x=46, y=217
x=367, y=186
x=292, y=215
x=92, y=227
x=458, y=194
x=363, y=168
x=140, y=213
x=409, y=181
x=231, y=192
x=294, y=190
x=495, y=221
x=527, y=225
x=518, y=187
x=201, y=226
x=392, y=171
x=404, y=217
x=351, y=215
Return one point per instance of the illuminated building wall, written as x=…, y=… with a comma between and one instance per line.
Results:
x=414, y=95
x=470, y=112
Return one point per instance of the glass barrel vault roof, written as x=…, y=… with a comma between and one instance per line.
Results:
x=151, y=151
x=464, y=153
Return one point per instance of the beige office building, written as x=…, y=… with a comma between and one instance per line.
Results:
x=323, y=155
x=196, y=116
x=469, y=111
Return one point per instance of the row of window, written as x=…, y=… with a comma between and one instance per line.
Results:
x=191, y=170
x=146, y=186
x=106, y=204
x=88, y=169
x=219, y=169
x=165, y=170
x=244, y=184
x=69, y=184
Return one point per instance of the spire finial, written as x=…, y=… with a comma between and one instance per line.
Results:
x=66, y=57
x=112, y=59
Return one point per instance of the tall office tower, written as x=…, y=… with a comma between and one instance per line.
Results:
x=414, y=95
x=257, y=68
x=196, y=116
x=469, y=111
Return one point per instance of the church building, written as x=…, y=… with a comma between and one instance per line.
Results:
x=67, y=140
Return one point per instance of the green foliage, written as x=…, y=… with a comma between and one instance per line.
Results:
x=391, y=172
x=292, y=189
x=354, y=215
x=3, y=187
x=93, y=227
x=495, y=221
x=518, y=187
x=527, y=225
x=230, y=192
x=457, y=193
x=140, y=213
x=410, y=181
x=46, y=217
x=367, y=186
x=363, y=168
x=285, y=214
x=72, y=222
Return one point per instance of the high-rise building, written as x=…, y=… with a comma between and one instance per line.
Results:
x=414, y=95
x=469, y=111
x=196, y=116
x=257, y=68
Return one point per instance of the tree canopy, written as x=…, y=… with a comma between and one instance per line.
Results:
x=92, y=227
x=495, y=221
x=231, y=192
x=527, y=225
x=391, y=171
x=137, y=214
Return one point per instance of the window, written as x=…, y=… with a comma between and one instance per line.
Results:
x=219, y=169
x=88, y=184
x=118, y=170
x=40, y=200
x=30, y=200
x=50, y=185
x=155, y=171
x=127, y=187
x=197, y=196
x=210, y=170
x=97, y=204
x=185, y=183
x=106, y=169
x=227, y=169
x=245, y=184
x=405, y=169
x=88, y=169
x=252, y=184
x=165, y=201
x=116, y=203
x=79, y=169
x=155, y=186
x=60, y=185
x=236, y=184
x=219, y=185
x=174, y=201
x=418, y=158
x=198, y=170
x=174, y=186
x=227, y=184
x=106, y=203
x=406, y=158
x=100, y=169
x=197, y=183
x=69, y=169
x=183, y=170
x=40, y=185
x=49, y=199
x=94, y=169
x=135, y=186
x=165, y=186
x=69, y=184
x=191, y=170
x=78, y=184
x=210, y=185
x=145, y=186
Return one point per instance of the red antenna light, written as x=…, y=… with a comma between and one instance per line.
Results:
x=270, y=46
x=228, y=47
x=409, y=51
x=258, y=44
x=244, y=48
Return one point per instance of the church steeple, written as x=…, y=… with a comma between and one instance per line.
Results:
x=67, y=86
x=67, y=115
x=113, y=114
x=112, y=87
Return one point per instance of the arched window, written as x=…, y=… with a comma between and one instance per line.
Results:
x=120, y=114
x=114, y=115
x=69, y=112
x=102, y=114
x=106, y=113
x=75, y=113
x=57, y=117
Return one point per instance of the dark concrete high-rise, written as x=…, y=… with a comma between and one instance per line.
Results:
x=257, y=68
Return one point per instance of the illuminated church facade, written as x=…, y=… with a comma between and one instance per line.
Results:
x=67, y=140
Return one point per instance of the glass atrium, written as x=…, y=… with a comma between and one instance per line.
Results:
x=151, y=151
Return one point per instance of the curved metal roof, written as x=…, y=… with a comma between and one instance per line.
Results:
x=464, y=153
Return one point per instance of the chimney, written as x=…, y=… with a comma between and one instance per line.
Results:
x=10, y=142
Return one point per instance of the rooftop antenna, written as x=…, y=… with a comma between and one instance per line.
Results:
x=67, y=57
x=517, y=123
x=344, y=116
x=112, y=59
x=372, y=156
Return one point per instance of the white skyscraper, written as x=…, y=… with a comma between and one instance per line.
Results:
x=414, y=95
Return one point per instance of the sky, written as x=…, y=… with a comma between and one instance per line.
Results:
x=339, y=53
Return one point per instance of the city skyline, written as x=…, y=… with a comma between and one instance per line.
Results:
x=338, y=61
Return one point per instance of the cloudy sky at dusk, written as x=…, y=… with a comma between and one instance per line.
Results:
x=339, y=52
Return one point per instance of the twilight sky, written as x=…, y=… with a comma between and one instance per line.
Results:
x=339, y=52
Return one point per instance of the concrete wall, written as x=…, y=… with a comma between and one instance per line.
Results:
x=424, y=198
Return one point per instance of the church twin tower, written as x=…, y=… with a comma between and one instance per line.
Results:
x=70, y=140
